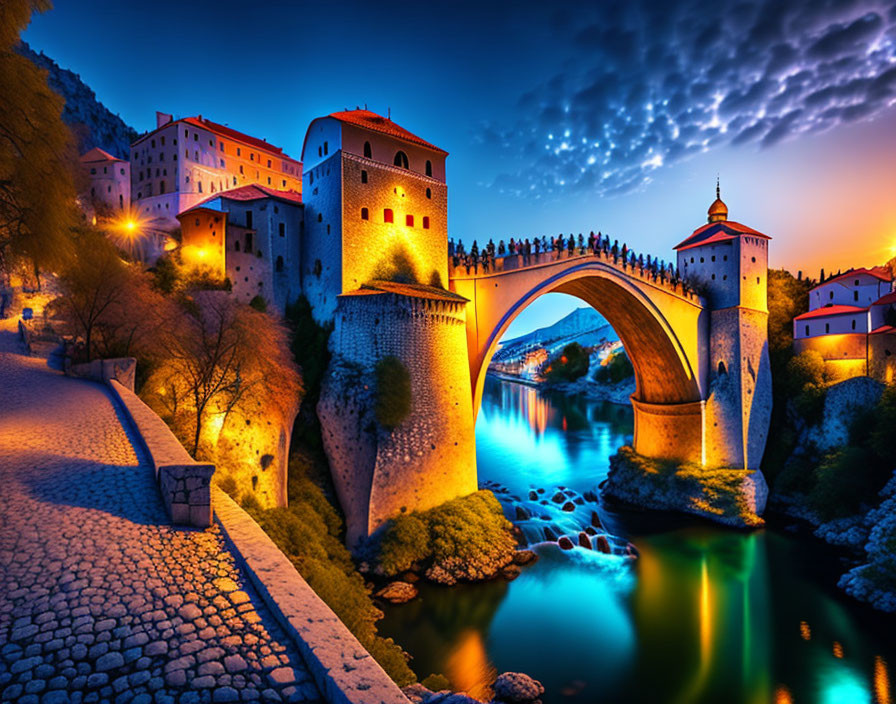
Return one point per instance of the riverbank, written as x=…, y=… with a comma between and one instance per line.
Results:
x=619, y=394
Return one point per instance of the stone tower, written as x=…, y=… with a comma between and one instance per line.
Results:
x=375, y=207
x=375, y=262
x=727, y=262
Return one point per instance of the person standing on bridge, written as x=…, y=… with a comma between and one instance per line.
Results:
x=502, y=250
x=571, y=245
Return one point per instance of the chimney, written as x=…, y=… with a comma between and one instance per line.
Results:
x=162, y=118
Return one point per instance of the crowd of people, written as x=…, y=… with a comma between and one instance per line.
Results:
x=487, y=256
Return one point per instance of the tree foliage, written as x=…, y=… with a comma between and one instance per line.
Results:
x=617, y=368
x=571, y=364
x=37, y=154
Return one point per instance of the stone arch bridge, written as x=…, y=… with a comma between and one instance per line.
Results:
x=680, y=411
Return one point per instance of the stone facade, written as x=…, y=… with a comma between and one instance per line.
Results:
x=430, y=457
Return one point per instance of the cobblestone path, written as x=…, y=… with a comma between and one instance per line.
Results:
x=100, y=598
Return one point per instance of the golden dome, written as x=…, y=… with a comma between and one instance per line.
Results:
x=718, y=210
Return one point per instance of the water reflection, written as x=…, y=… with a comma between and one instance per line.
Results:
x=705, y=615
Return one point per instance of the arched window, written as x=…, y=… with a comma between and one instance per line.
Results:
x=428, y=167
x=409, y=220
x=279, y=265
x=320, y=217
x=236, y=246
x=426, y=222
x=363, y=177
x=722, y=369
x=429, y=193
x=388, y=216
x=367, y=151
x=365, y=214
x=401, y=160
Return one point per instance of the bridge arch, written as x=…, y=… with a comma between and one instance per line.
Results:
x=663, y=333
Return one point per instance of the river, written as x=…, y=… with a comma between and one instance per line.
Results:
x=705, y=614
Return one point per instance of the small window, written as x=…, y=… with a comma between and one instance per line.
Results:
x=827, y=328
x=320, y=151
x=853, y=323
x=831, y=295
x=365, y=214
x=367, y=151
x=426, y=222
x=236, y=248
x=221, y=146
x=363, y=177
x=429, y=193
x=326, y=149
x=195, y=137
x=856, y=282
x=238, y=151
x=428, y=167
x=93, y=172
x=855, y=295
x=722, y=369
x=807, y=331
x=279, y=265
x=320, y=217
x=388, y=216
x=249, y=219
x=269, y=163
x=401, y=160
x=282, y=229
x=409, y=220
x=248, y=248
x=754, y=260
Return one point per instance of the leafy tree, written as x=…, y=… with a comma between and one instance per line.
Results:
x=37, y=155
x=571, y=364
x=617, y=368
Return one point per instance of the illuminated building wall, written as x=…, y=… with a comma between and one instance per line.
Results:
x=376, y=207
x=431, y=456
x=108, y=184
x=252, y=236
x=183, y=161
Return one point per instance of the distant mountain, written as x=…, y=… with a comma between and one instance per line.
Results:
x=91, y=121
x=584, y=325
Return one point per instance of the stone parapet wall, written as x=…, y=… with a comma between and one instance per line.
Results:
x=121, y=369
x=184, y=483
x=343, y=670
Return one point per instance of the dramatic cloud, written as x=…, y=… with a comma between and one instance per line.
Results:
x=640, y=85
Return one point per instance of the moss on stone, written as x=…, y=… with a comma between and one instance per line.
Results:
x=717, y=494
x=465, y=539
x=393, y=392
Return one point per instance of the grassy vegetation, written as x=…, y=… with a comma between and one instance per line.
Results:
x=465, y=539
x=689, y=487
x=310, y=533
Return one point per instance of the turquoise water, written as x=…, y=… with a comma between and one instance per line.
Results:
x=704, y=615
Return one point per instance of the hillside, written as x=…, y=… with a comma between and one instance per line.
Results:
x=584, y=325
x=93, y=124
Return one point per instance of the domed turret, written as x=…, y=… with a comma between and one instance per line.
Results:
x=718, y=211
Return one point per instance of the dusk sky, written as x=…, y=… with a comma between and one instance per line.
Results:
x=558, y=118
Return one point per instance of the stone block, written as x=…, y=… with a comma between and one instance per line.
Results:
x=180, y=514
x=201, y=516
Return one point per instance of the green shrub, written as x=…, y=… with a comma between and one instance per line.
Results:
x=436, y=683
x=465, y=539
x=309, y=532
x=571, y=364
x=617, y=368
x=806, y=368
x=393, y=392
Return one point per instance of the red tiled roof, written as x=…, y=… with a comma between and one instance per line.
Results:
x=890, y=298
x=253, y=191
x=830, y=310
x=97, y=154
x=884, y=330
x=223, y=131
x=715, y=232
x=878, y=272
x=377, y=123
x=411, y=290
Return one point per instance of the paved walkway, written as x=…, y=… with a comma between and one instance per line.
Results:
x=100, y=598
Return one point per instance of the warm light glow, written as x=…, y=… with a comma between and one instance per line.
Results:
x=705, y=614
x=130, y=225
x=805, y=631
x=782, y=695
x=838, y=649
x=881, y=682
x=468, y=667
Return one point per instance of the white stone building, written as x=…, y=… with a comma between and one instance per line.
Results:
x=107, y=190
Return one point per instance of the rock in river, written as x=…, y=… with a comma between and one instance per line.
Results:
x=603, y=545
x=524, y=557
x=569, y=506
x=584, y=540
x=397, y=592
x=517, y=688
x=565, y=543
x=522, y=514
x=511, y=572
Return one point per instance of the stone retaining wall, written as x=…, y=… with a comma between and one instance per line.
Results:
x=184, y=483
x=343, y=670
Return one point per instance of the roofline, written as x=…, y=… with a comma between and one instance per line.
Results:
x=274, y=150
x=385, y=134
x=815, y=314
x=853, y=272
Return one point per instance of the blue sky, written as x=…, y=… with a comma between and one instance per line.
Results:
x=559, y=117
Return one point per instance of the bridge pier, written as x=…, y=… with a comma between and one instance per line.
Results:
x=672, y=431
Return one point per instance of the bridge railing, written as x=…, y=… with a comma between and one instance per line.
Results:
x=466, y=265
